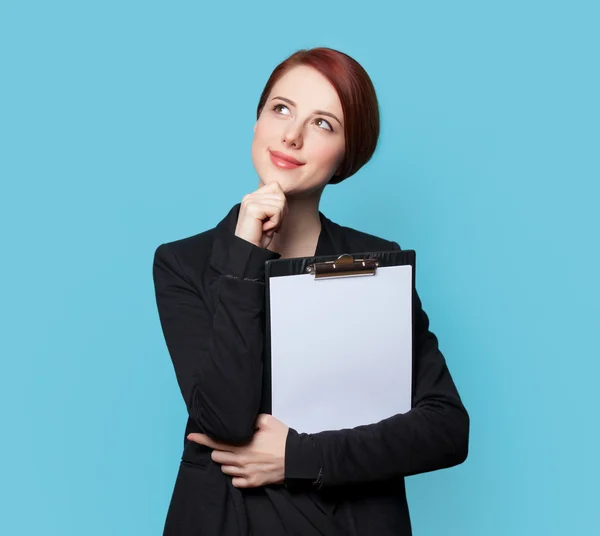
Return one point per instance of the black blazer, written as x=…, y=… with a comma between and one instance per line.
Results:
x=210, y=294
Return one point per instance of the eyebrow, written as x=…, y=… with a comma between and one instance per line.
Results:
x=318, y=112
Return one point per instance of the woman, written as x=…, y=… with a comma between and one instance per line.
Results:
x=243, y=472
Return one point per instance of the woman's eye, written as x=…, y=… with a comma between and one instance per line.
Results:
x=279, y=108
x=323, y=124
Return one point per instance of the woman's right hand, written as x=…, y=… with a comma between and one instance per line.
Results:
x=261, y=214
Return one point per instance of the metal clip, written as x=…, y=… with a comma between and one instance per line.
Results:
x=345, y=265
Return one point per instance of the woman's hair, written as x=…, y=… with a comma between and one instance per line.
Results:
x=356, y=93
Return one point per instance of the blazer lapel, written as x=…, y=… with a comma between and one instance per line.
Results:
x=332, y=239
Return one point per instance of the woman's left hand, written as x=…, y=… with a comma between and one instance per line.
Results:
x=258, y=463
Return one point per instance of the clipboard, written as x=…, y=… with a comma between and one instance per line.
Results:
x=339, y=339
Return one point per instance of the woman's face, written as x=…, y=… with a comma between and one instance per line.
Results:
x=301, y=121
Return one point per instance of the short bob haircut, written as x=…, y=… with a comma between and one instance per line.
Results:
x=357, y=95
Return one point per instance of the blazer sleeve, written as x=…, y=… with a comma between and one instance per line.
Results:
x=434, y=434
x=216, y=350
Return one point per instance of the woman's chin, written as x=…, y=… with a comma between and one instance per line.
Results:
x=284, y=184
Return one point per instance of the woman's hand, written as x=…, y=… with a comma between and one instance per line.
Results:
x=260, y=462
x=261, y=214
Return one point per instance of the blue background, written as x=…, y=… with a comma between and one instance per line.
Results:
x=127, y=124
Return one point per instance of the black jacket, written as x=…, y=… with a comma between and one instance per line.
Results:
x=210, y=294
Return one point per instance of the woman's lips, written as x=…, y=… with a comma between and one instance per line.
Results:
x=283, y=161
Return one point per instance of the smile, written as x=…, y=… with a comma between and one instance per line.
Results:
x=283, y=161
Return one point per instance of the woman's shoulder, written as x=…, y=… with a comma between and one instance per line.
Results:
x=360, y=241
x=197, y=248
x=188, y=257
x=192, y=243
x=371, y=240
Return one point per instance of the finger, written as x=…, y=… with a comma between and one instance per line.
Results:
x=203, y=439
x=268, y=196
x=263, y=420
x=240, y=482
x=265, y=198
x=233, y=470
x=279, y=202
x=268, y=206
x=275, y=209
x=274, y=219
x=271, y=187
x=225, y=457
x=270, y=225
x=271, y=199
x=262, y=211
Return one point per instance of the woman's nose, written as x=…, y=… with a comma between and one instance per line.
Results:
x=292, y=137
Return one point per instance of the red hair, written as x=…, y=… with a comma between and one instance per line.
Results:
x=356, y=93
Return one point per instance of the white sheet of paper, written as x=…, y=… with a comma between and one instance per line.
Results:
x=341, y=349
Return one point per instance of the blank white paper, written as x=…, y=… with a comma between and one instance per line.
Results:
x=341, y=349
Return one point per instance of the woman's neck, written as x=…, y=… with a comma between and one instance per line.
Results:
x=299, y=233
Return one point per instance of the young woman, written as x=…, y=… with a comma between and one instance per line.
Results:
x=243, y=472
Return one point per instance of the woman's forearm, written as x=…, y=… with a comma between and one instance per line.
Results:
x=217, y=354
x=433, y=435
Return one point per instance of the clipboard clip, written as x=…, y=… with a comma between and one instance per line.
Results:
x=344, y=266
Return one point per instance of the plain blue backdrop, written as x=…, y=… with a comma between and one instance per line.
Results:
x=127, y=124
